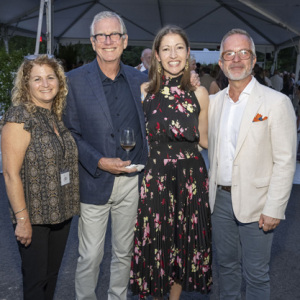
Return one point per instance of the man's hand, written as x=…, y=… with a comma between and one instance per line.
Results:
x=195, y=80
x=268, y=223
x=115, y=165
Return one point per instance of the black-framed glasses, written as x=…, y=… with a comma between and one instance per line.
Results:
x=243, y=54
x=35, y=56
x=114, y=37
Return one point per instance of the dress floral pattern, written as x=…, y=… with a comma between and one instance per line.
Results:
x=172, y=239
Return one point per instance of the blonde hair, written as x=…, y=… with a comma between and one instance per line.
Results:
x=21, y=93
x=155, y=78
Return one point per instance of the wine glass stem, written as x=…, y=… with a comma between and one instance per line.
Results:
x=127, y=152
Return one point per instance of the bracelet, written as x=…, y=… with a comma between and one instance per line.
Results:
x=22, y=218
x=20, y=210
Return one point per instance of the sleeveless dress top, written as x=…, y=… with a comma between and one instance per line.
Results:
x=172, y=239
x=47, y=155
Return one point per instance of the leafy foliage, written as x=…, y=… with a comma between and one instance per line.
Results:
x=19, y=46
x=287, y=59
x=9, y=64
x=132, y=55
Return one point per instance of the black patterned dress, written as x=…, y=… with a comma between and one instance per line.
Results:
x=172, y=239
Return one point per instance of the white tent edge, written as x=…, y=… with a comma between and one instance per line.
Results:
x=48, y=6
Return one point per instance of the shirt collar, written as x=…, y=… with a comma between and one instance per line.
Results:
x=104, y=78
x=247, y=90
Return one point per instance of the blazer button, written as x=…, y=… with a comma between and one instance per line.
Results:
x=112, y=135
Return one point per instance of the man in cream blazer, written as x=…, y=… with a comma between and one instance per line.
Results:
x=252, y=155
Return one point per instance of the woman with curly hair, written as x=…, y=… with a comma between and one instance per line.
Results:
x=40, y=169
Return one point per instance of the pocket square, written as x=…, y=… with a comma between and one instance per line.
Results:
x=259, y=118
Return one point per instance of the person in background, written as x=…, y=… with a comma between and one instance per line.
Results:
x=219, y=84
x=206, y=79
x=146, y=59
x=172, y=240
x=252, y=156
x=267, y=78
x=277, y=81
x=198, y=69
x=258, y=73
x=104, y=98
x=40, y=168
x=193, y=64
x=288, y=87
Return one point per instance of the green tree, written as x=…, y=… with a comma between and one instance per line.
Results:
x=68, y=55
x=287, y=59
x=9, y=64
x=19, y=46
x=132, y=55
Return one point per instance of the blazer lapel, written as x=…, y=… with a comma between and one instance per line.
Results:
x=254, y=102
x=134, y=85
x=97, y=88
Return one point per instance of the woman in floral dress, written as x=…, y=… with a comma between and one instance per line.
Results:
x=172, y=242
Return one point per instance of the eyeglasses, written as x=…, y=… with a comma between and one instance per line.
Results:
x=242, y=54
x=35, y=56
x=114, y=37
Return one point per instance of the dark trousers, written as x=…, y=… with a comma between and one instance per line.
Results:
x=42, y=258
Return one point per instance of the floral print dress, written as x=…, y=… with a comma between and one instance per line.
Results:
x=172, y=239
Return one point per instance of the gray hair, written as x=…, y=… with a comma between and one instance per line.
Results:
x=144, y=51
x=237, y=31
x=105, y=15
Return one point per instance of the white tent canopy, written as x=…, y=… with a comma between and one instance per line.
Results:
x=273, y=24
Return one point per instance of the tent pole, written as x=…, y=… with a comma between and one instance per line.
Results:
x=274, y=66
x=39, y=29
x=4, y=33
x=49, y=22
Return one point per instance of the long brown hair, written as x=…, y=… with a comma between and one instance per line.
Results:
x=155, y=78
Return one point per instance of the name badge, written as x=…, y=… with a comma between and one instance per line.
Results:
x=64, y=178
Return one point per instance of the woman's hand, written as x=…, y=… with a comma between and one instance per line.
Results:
x=23, y=231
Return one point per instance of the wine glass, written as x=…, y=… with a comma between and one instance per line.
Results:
x=127, y=140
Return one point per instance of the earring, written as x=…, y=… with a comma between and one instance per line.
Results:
x=159, y=68
x=186, y=65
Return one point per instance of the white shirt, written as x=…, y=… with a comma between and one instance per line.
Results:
x=142, y=68
x=268, y=81
x=277, y=82
x=231, y=118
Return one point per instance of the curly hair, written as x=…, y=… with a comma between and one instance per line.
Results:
x=21, y=92
x=155, y=78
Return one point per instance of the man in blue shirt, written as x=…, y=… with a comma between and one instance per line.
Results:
x=104, y=98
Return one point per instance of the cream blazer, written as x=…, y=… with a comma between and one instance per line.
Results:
x=265, y=156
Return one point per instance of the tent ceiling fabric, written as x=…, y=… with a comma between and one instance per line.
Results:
x=272, y=23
